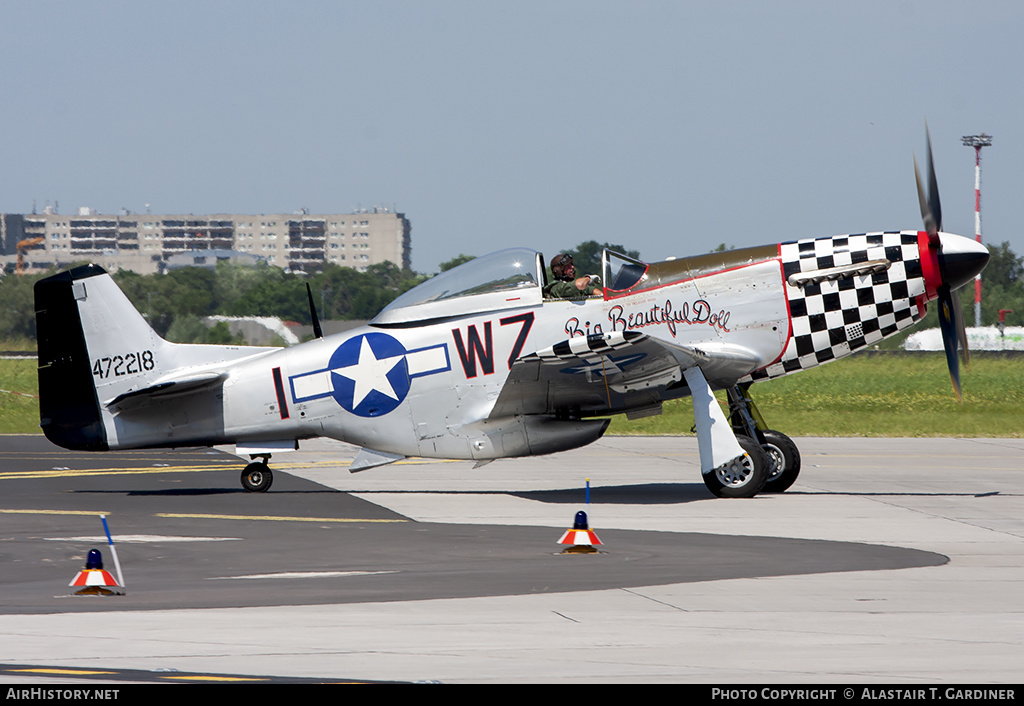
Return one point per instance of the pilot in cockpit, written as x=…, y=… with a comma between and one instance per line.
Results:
x=567, y=285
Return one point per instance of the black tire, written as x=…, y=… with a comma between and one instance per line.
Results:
x=257, y=478
x=784, y=460
x=747, y=480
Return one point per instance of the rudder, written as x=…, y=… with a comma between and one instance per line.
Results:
x=69, y=411
x=93, y=346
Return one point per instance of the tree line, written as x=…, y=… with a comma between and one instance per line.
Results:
x=174, y=303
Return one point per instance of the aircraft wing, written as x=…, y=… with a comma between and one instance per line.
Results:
x=615, y=372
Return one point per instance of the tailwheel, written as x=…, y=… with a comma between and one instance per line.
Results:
x=743, y=478
x=257, y=477
x=784, y=459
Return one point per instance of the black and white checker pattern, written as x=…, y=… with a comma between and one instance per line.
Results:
x=832, y=319
x=587, y=348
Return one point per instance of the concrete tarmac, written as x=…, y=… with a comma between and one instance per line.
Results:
x=890, y=560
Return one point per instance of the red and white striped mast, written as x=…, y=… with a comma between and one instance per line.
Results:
x=977, y=142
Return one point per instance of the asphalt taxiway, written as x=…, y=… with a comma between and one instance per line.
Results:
x=889, y=560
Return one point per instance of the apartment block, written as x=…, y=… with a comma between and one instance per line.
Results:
x=149, y=243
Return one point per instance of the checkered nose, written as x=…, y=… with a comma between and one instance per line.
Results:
x=960, y=259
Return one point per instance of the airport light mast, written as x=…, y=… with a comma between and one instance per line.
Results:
x=977, y=142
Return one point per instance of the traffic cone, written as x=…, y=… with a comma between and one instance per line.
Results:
x=93, y=579
x=580, y=539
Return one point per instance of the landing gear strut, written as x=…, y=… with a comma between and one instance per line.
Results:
x=783, y=455
x=257, y=476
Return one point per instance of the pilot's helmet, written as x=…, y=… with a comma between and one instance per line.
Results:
x=559, y=263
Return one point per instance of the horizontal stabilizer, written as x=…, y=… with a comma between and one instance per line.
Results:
x=165, y=387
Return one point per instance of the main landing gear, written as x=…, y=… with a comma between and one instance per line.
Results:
x=257, y=476
x=779, y=451
x=743, y=477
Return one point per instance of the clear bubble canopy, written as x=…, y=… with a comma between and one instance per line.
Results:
x=502, y=280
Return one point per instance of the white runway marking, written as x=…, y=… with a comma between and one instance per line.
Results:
x=142, y=539
x=302, y=575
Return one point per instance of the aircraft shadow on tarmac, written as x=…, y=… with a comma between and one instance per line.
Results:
x=185, y=492
x=642, y=494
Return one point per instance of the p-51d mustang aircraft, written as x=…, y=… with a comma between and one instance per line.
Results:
x=477, y=364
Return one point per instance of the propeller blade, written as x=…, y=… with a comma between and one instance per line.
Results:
x=961, y=330
x=933, y=186
x=951, y=320
x=947, y=323
x=926, y=213
x=931, y=206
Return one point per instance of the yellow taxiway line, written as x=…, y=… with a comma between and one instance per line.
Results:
x=70, y=473
x=150, y=470
x=63, y=672
x=200, y=516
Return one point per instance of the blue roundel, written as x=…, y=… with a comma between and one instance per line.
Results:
x=369, y=374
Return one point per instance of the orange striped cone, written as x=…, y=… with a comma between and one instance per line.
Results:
x=580, y=539
x=93, y=579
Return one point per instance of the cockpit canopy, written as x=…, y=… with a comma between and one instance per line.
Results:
x=502, y=280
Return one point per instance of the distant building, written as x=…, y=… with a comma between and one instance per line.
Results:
x=209, y=258
x=149, y=243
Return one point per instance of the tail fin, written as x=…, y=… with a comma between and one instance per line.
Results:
x=97, y=354
x=69, y=409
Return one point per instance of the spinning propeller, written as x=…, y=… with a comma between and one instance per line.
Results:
x=958, y=261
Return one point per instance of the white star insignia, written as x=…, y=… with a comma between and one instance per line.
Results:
x=370, y=373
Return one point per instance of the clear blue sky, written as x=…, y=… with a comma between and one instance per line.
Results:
x=666, y=126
